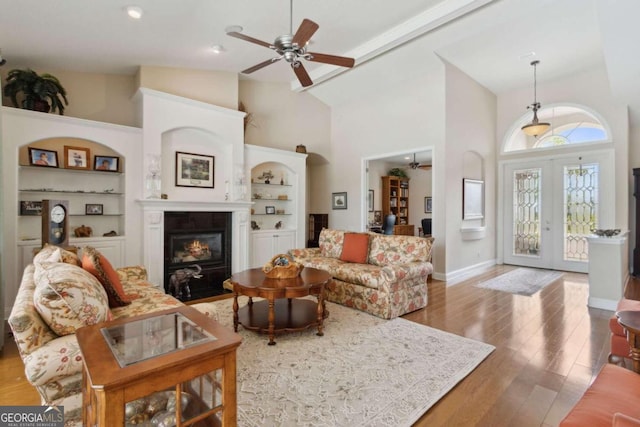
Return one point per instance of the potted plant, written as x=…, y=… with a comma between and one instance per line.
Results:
x=41, y=92
x=398, y=172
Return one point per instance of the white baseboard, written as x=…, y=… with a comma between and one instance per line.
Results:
x=458, y=276
x=603, y=304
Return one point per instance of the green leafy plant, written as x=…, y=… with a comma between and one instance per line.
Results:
x=40, y=92
x=398, y=172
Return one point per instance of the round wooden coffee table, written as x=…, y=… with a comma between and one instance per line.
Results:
x=281, y=310
x=630, y=321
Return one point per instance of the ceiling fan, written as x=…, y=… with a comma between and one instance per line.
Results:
x=293, y=48
x=416, y=165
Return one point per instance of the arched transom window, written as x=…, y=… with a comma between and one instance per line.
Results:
x=570, y=125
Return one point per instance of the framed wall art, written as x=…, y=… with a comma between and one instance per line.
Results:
x=370, y=201
x=30, y=208
x=428, y=204
x=270, y=210
x=472, y=199
x=93, y=209
x=106, y=163
x=194, y=170
x=40, y=157
x=76, y=158
x=339, y=200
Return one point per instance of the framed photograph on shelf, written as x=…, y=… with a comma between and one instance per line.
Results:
x=106, y=163
x=76, y=158
x=377, y=217
x=270, y=210
x=40, y=157
x=428, y=205
x=30, y=208
x=472, y=199
x=194, y=170
x=339, y=200
x=93, y=209
x=370, y=201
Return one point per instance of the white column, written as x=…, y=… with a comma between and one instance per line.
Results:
x=608, y=270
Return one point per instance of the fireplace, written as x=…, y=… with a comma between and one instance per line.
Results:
x=197, y=254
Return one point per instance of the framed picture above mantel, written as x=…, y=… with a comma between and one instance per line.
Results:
x=194, y=170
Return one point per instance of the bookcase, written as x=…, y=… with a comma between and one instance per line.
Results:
x=395, y=198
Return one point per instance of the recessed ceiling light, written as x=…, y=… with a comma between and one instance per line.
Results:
x=233, y=29
x=134, y=12
x=217, y=48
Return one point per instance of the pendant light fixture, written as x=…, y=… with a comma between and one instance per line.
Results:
x=535, y=128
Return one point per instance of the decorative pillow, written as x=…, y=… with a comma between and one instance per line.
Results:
x=68, y=298
x=52, y=253
x=355, y=248
x=95, y=263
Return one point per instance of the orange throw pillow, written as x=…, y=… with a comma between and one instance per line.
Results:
x=95, y=263
x=355, y=248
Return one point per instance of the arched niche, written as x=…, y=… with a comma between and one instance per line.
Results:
x=200, y=142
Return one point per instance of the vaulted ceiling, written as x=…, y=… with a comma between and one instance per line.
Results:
x=490, y=40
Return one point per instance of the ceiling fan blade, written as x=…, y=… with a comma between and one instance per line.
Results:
x=305, y=31
x=302, y=74
x=425, y=167
x=331, y=59
x=260, y=65
x=249, y=39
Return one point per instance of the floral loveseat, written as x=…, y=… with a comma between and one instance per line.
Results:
x=58, y=296
x=384, y=275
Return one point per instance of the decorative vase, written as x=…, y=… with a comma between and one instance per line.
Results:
x=153, y=182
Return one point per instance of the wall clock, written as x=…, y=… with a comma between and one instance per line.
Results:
x=55, y=219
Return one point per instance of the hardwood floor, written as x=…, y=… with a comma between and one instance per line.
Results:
x=548, y=349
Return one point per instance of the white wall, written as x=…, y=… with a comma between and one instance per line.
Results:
x=282, y=118
x=470, y=125
x=402, y=117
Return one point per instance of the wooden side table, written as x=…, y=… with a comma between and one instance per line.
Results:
x=630, y=321
x=171, y=350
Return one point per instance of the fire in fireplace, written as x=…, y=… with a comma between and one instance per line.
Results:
x=196, y=247
x=197, y=254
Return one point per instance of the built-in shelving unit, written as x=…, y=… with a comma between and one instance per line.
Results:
x=96, y=198
x=271, y=201
x=278, y=207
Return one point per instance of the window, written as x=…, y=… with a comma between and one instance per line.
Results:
x=570, y=125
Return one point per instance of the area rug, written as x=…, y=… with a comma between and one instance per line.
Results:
x=522, y=281
x=364, y=371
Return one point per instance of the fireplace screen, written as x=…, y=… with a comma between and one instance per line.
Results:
x=200, y=247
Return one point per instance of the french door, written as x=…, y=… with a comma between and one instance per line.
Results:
x=551, y=206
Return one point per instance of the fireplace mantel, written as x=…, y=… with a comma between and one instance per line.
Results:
x=153, y=233
x=179, y=205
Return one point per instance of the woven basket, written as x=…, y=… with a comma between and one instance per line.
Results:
x=282, y=266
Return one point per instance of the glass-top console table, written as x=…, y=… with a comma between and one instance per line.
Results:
x=158, y=368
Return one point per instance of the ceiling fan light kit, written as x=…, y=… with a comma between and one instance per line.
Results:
x=293, y=49
x=536, y=127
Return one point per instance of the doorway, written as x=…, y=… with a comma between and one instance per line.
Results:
x=551, y=206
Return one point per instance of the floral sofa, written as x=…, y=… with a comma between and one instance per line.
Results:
x=384, y=275
x=56, y=297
